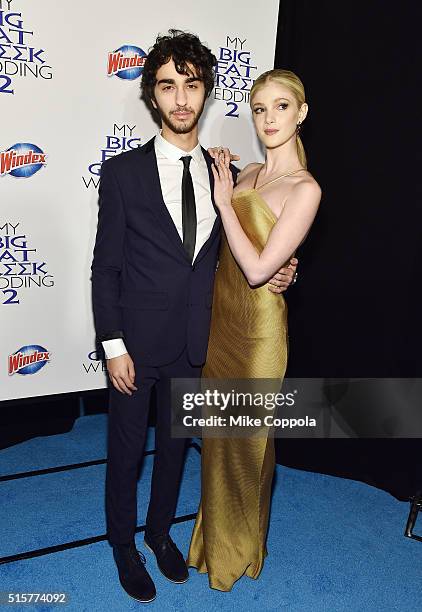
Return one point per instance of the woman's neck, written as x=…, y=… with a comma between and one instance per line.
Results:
x=282, y=159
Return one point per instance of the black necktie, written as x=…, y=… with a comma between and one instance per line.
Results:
x=188, y=209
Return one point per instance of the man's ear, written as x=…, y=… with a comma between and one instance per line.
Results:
x=154, y=103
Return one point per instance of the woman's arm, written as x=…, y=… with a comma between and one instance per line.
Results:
x=287, y=234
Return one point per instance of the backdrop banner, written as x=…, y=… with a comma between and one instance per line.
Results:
x=69, y=99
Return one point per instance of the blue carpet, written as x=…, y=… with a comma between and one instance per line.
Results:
x=335, y=545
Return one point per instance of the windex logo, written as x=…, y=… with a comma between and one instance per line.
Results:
x=22, y=160
x=28, y=359
x=127, y=62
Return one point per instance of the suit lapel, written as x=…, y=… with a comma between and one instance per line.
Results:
x=217, y=223
x=152, y=187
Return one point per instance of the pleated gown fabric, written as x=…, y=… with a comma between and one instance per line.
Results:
x=248, y=339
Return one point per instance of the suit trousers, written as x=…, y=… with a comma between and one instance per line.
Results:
x=127, y=427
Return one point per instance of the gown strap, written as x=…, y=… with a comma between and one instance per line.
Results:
x=272, y=180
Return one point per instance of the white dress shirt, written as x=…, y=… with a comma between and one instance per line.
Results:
x=170, y=170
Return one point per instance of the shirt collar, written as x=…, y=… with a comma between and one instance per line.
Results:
x=170, y=151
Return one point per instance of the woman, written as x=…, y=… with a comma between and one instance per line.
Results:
x=265, y=218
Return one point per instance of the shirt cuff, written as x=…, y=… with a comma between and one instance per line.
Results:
x=114, y=348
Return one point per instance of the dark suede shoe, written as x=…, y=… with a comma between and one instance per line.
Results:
x=133, y=576
x=170, y=560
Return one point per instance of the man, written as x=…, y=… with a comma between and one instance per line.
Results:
x=153, y=270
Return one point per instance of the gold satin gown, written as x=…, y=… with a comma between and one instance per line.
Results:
x=248, y=339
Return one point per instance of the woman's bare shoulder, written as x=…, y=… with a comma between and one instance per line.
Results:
x=248, y=169
x=313, y=184
x=306, y=186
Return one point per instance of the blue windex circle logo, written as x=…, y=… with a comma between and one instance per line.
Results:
x=22, y=160
x=28, y=359
x=126, y=62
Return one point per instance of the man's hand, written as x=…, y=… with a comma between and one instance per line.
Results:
x=284, y=277
x=223, y=151
x=122, y=373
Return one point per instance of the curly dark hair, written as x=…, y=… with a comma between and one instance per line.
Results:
x=184, y=48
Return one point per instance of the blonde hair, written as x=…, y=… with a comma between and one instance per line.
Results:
x=294, y=84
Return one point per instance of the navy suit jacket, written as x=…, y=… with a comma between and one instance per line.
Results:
x=144, y=288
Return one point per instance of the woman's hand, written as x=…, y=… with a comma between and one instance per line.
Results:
x=223, y=182
x=228, y=156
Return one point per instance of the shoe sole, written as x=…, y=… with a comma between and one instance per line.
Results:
x=174, y=581
x=137, y=599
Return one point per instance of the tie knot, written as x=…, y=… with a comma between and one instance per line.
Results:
x=186, y=161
